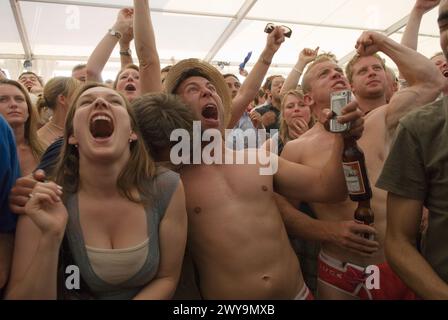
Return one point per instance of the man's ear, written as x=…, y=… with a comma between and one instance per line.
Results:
x=309, y=101
x=352, y=89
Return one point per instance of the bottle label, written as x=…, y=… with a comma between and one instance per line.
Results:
x=353, y=177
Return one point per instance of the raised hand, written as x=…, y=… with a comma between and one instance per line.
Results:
x=125, y=21
x=369, y=43
x=307, y=55
x=424, y=6
x=46, y=209
x=243, y=72
x=275, y=39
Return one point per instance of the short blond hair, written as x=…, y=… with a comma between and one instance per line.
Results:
x=354, y=60
x=323, y=57
x=437, y=54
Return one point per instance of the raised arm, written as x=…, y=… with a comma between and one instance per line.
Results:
x=305, y=57
x=145, y=44
x=403, y=221
x=410, y=35
x=252, y=84
x=425, y=81
x=125, y=48
x=38, y=238
x=103, y=50
x=173, y=238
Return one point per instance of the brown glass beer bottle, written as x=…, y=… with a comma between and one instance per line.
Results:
x=365, y=214
x=355, y=171
x=358, y=184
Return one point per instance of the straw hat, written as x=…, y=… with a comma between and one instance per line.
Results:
x=175, y=74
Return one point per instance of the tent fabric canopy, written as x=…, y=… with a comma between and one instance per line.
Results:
x=56, y=34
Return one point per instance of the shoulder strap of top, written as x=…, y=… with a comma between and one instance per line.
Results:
x=165, y=183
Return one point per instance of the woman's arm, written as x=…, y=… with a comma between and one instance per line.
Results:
x=145, y=44
x=103, y=50
x=305, y=57
x=125, y=48
x=173, y=238
x=38, y=238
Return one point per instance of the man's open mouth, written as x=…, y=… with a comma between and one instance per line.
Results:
x=210, y=112
x=101, y=126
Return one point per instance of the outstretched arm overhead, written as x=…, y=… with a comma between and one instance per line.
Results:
x=125, y=48
x=305, y=57
x=103, y=50
x=410, y=35
x=252, y=84
x=145, y=44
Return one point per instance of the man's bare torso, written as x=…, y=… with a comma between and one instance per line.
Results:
x=236, y=234
x=314, y=148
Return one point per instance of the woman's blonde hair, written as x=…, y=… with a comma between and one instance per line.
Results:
x=284, y=130
x=31, y=138
x=135, y=173
x=55, y=87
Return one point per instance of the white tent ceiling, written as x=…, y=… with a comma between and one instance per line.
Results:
x=57, y=34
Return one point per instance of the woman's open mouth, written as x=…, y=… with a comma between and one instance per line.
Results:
x=101, y=126
x=130, y=87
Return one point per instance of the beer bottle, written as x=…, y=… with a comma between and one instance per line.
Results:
x=355, y=171
x=364, y=214
x=358, y=184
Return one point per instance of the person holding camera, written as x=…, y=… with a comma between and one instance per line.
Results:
x=322, y=78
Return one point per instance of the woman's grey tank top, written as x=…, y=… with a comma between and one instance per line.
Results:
x=164, y=185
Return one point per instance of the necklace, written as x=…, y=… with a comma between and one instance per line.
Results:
x=60, y=130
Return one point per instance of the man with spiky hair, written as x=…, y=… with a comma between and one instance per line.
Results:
x=342, y=269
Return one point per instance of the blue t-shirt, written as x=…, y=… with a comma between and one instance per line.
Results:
x=9, y=172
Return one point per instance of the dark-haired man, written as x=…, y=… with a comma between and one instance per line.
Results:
x=236, y=235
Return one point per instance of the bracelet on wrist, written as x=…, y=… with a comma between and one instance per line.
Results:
x=297, y=70
x=264, y=61
x=127, y=52
x=114, y=33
